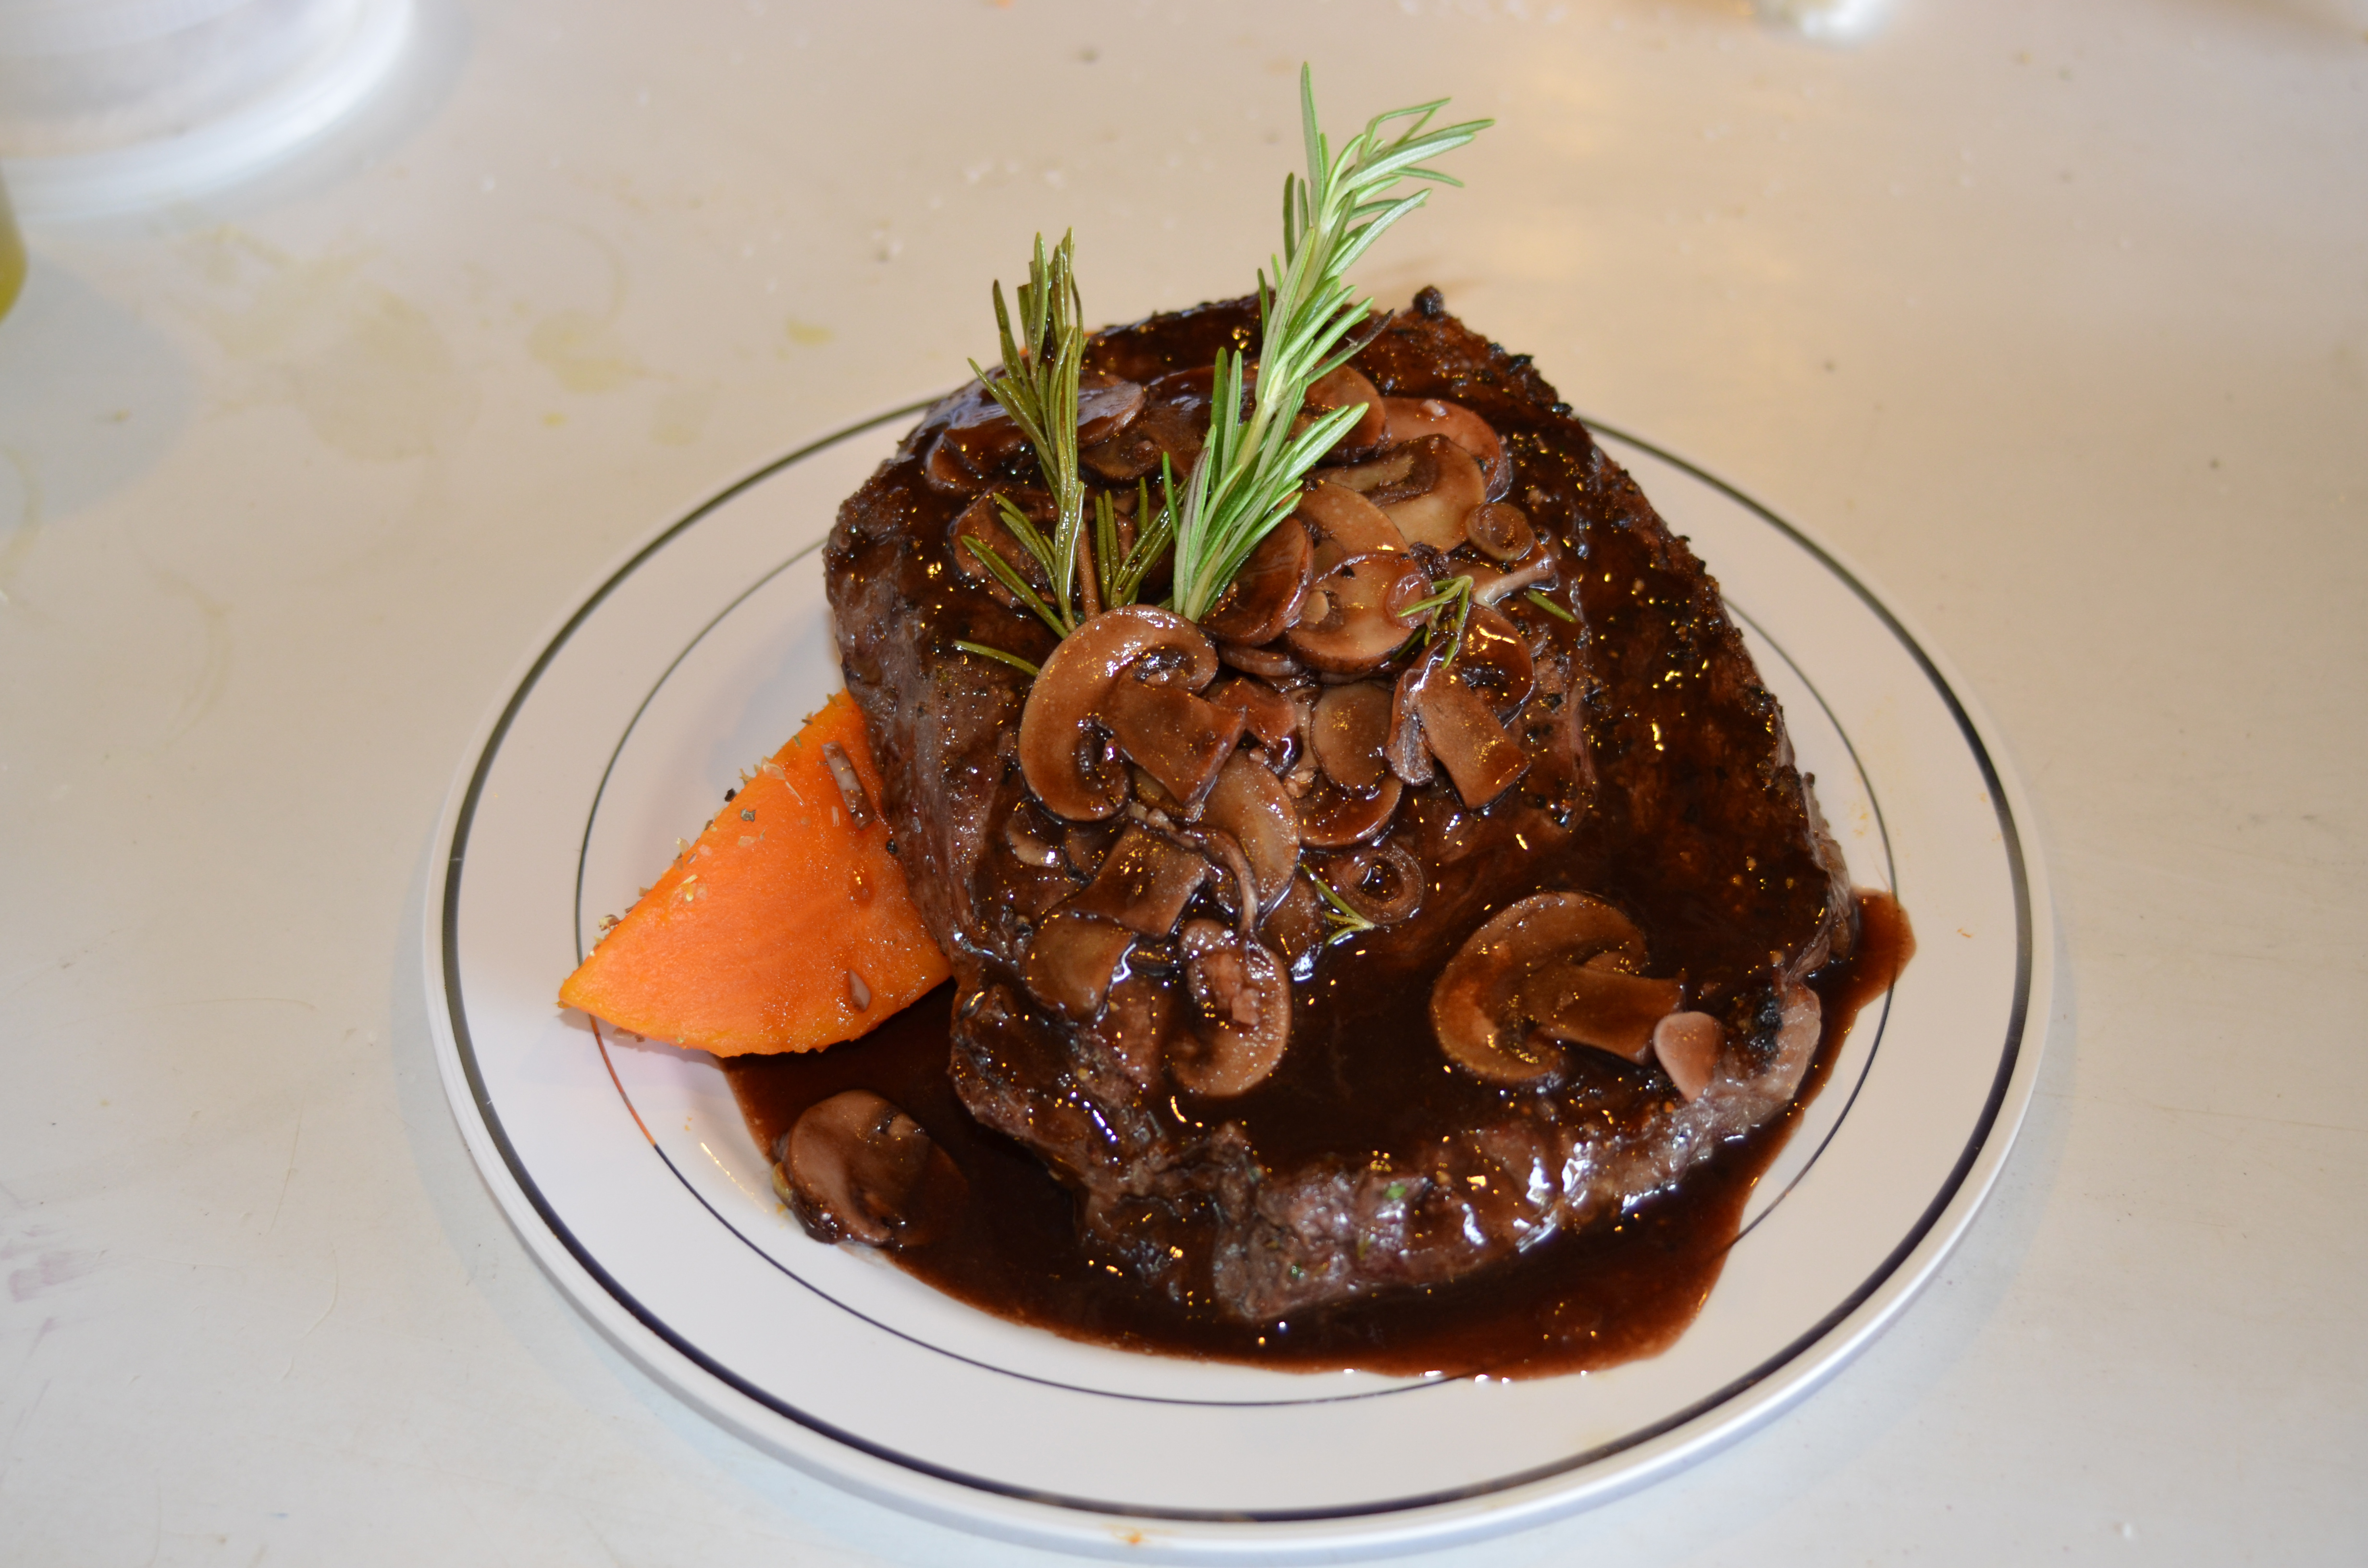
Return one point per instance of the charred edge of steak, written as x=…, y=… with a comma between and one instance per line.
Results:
x=1658, y=778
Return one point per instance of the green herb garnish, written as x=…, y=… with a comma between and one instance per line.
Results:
x=1342, y=918
x=1548, y=606
x=999, y=656
x=1246, y=479
x=1038, y=389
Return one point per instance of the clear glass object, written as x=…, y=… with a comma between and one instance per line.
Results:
x=112, y=104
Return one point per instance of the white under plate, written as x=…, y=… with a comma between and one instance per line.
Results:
x=629, y=1172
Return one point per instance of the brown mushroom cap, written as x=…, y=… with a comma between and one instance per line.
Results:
x=1059, y=750
x=1264, y=596
x=1513, y=990
x=1269, y=718
x=1174, y=420
x=1382, y=883
x=1356, y=625
x=1405, y=750
x=1269, y=662
x=1249, y=805
x=1435, y=516
x=1351, y=724
x=1239, y=1023
x=1412, y=419
x=857, y=1167
x=1687, y=1045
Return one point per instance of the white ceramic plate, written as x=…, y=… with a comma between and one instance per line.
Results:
x=629, y=1172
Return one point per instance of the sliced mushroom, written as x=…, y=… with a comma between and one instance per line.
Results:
x=1249, y=805
x=1144, y=882
x=1351, y=724
x=1060, y=747
x=979, y=526
x=1492, y=586
x=1265, y=594
x=1174, y=420
x=1411, y=419
x=1296, y=928
x=1460, y=725
x=1339, y=389
x=858, y=1168
x=1240, y=1020
x=1500, y=532
x=1071, y=961
x=1687, y=1045
x=1495, y=659
x=1454, y=485
x=1602, y=1005
x=1269, y=718
x=1383, y=883
x=1333, y=818
x=1032, y=837
x=1269, y=662
x=1357, y=623
x=1178, y=738
x=1502, y=1002
x=1106, y=405
x=1389, y=475
x=1347, y=525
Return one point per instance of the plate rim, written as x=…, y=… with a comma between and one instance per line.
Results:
x=1093, y=1525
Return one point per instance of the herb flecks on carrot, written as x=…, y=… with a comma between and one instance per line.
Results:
x=784, y=928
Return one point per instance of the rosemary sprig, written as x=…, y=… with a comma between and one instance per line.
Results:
x=1342, y=917
x=1121, y=572
x=999, y=656
x=1246, y=479
x=1548, y=606
x=1455, y=591
x=1038, y=389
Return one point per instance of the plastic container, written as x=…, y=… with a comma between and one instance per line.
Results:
x=109, y=105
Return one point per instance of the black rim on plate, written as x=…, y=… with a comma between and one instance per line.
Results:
x=2009, y=1054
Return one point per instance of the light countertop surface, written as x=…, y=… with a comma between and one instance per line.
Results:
x=2053, y=319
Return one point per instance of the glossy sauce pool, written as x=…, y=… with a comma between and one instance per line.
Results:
x=1591, y=1298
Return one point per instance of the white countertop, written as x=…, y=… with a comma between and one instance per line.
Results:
x=2053, y=320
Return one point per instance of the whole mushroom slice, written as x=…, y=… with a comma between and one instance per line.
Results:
x=1072, y=957
x=1484, y=1004
x=1352, y=620
x=1333, y=818
x=858, y=1168
x=1460, y=725
x=1249, y=805
x=1382, y=883
x=1454, y=485
x=1351, y=726
x=1338, y=389
x=1264, y=597
x=1061, y=750
x=1411, y=419
x=1346, y=525
x=1239, y=1022
x=1179, y=739
x=1144, y=883
x=1687, y=1045
x=1500, y=531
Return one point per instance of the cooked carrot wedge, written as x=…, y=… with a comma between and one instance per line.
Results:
x=786, y=927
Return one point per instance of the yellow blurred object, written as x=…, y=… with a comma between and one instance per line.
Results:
x=11, y=255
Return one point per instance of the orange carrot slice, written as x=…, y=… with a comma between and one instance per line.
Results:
x=785, y=927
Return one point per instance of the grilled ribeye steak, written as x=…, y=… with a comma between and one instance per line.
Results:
x=1594, y=879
